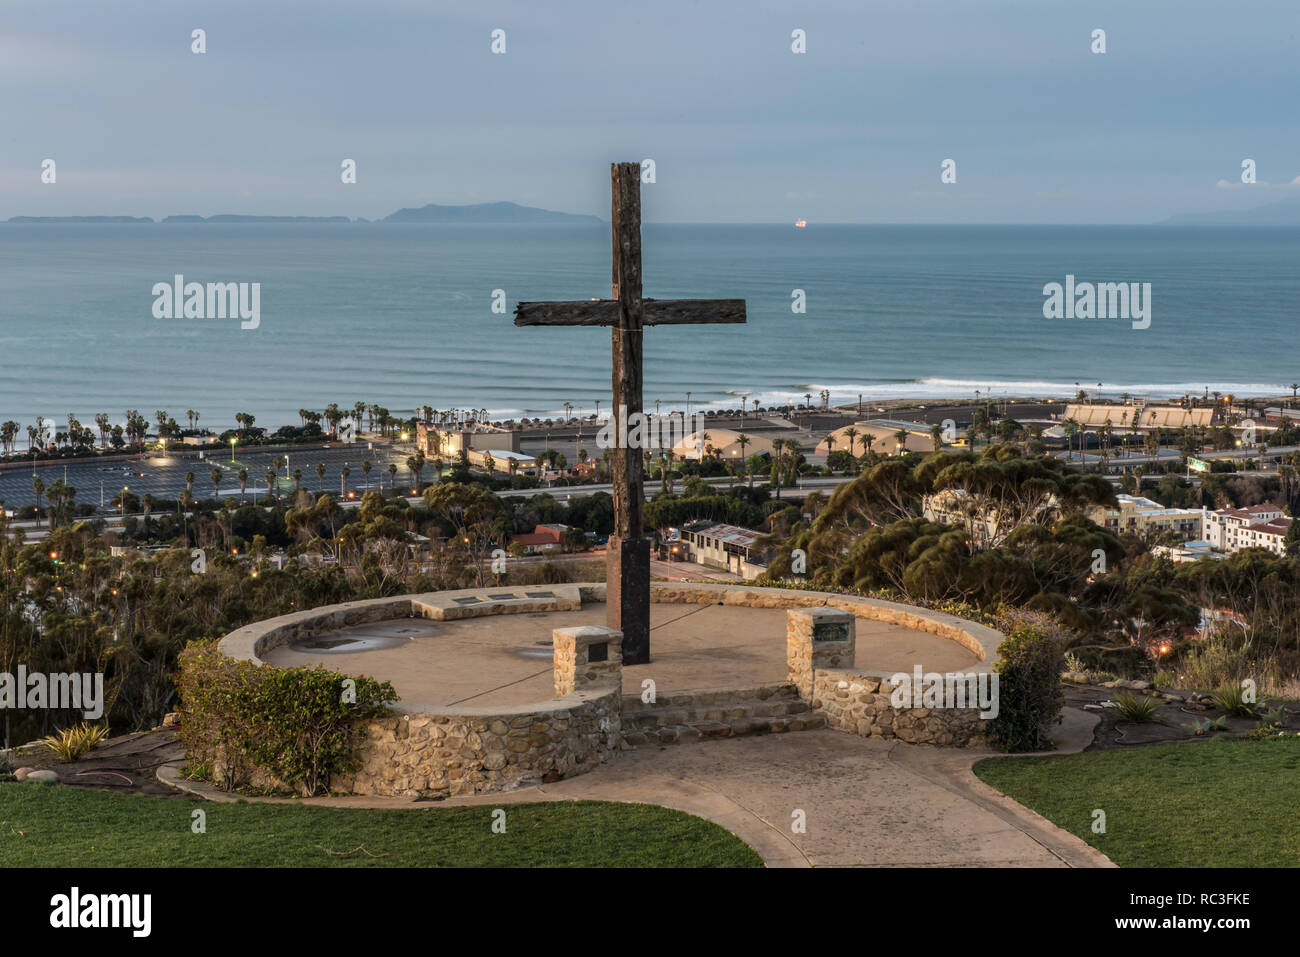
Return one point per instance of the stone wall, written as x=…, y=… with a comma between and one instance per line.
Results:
x=478, y=750
x=860, y=704
x=425, y=751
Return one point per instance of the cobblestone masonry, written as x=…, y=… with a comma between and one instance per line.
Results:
x=431, y=752
x=860, y=704
x=815, y=639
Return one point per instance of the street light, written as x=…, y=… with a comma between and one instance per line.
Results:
x=232, y=450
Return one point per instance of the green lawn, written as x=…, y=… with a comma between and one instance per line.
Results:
x=61, y=826
x=1215, y=803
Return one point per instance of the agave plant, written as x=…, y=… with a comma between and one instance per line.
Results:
x=1133, y=708
x=1232, y=700
x=71, y=743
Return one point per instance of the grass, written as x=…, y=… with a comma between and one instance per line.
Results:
x=62, y=826
x=1213, y=803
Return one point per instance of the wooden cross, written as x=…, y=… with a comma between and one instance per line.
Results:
x=627, y=592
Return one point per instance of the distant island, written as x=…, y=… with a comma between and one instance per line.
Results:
x=485, y=213
x=433, y=213
x=80, y=219
x=1284, y=213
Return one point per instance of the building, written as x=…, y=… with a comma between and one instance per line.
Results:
x=1187, y=552
x=1225, y=529
x=953, y=506
x=542, y=539
x=1138, y=417
x=448, y=443
x=725, y=547
x=501, y=458
x=725, y=444
x=1137, y=515
x=884, y=438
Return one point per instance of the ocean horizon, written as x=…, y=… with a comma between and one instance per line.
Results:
x=403, y=315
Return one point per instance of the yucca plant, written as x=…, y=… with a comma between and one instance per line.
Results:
x=71, y=743
x=1132, y=708
x=1232, y=700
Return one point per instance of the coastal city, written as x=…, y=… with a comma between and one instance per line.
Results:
x=475, y=441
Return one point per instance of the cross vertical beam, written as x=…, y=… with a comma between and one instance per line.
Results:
x=627, y=573
x=627, y=555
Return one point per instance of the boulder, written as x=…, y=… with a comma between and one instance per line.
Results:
x=43, y=776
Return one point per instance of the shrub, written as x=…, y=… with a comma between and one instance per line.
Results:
x=294, y=726
x=1232, y=700
x=1133, y=708
x=71, y=743
x=1029, y=682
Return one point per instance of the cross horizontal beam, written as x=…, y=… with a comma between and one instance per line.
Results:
x=654, y=312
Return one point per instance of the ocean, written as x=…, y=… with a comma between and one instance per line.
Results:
x=402, y=315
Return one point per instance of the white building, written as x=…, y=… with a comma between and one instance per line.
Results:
x=726, y=547
x=1229, y=529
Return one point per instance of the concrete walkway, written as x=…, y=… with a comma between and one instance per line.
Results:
x=865, y=801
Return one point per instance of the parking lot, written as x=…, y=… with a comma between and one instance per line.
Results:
x=164, y=478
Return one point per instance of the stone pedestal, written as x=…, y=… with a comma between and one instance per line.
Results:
x=817, y=638
x=586, y=655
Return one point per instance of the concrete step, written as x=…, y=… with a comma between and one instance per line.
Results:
x=652, y=735
x=650, y=718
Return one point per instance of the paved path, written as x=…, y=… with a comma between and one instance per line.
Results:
x=866, y=801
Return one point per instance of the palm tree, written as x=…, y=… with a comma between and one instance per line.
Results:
x=1071, y=428
x=936, y=435
x=270, y=482
x=39, y=488
x=189, y=482
x=367, y=465
x=243, y=483
x=416, y=464
x=851, y=434
x=392, y=475
x=343, y=480
x=901, y=438
x=297, y=481
x=215, y=476
x=320, y=476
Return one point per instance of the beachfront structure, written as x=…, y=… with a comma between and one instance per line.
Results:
x=884, y=438
x=726, y=444
x=1138, y=417
x=725, y=547
x=1255, y=526
x=1141, y=516
x=448, y=443
x=500, y=459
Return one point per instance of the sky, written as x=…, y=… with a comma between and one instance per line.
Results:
x=740, y=128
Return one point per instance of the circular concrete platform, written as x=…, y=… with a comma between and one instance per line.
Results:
x=505, y=659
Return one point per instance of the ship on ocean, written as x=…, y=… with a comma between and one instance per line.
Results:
x=800, y=223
